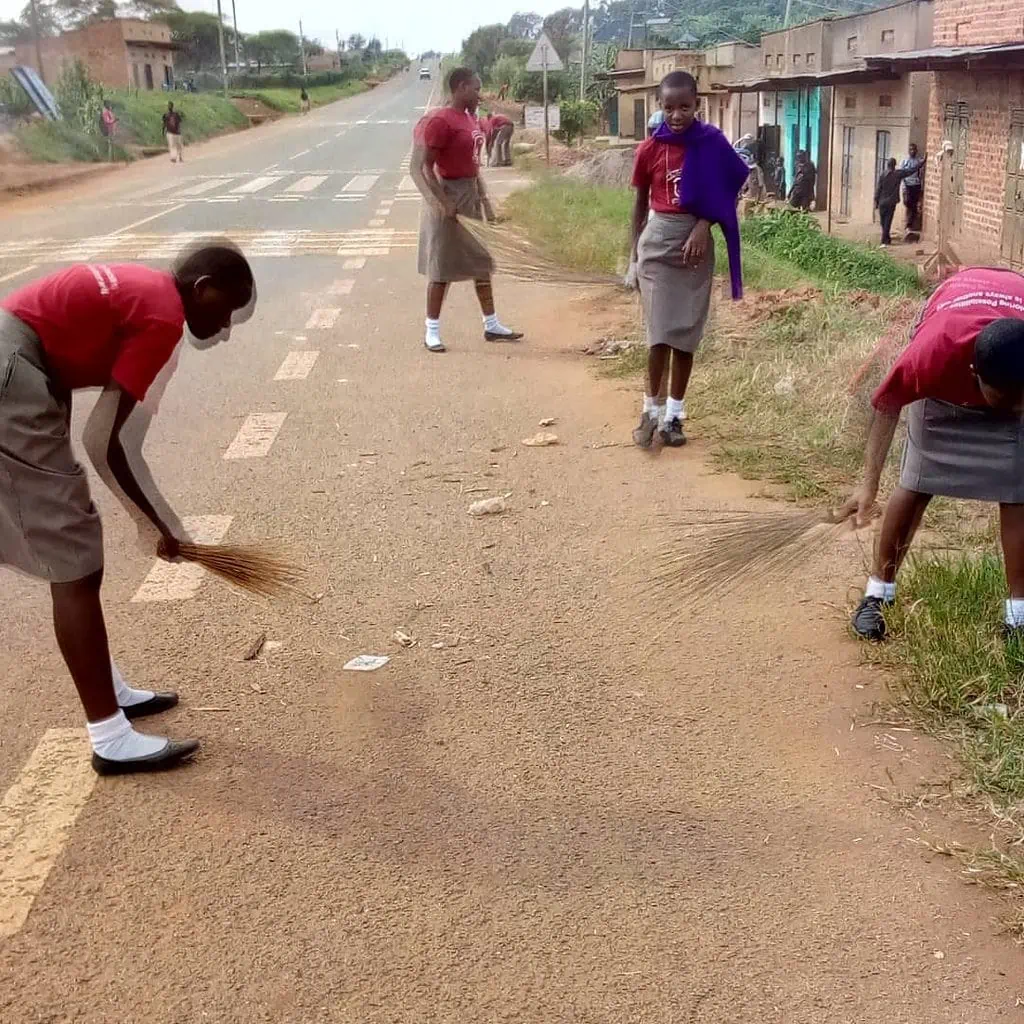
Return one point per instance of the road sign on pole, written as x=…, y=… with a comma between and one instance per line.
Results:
x=544, y=59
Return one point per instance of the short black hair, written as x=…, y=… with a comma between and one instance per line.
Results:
x=999, y=355
x=221, y=261
x=459, y=77
x=678, y=80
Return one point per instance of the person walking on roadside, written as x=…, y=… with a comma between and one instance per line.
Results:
x=913, y=189
x=962, y=377
x=499, y=131
x=304, y=100
x=805, y=176
x=448, y=146
x=113, y=327
x=172, y=132
x=887, y=198
x=108, y=127
x=687, y=177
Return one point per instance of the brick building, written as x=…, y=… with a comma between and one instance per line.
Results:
x=974, y=189
x=120, y=53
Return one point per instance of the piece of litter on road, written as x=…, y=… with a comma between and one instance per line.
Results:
x=255, y=687
x=939, y=955
x=252, y=652
x=488, y=507
x=403, y=638
x=366, y=663
x=211, y=709
x=541, y=440
x=439, y=646
x=273, y=645
x=544, y=504
x=549, y=422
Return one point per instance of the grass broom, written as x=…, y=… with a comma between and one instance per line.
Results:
x=517, y=257
x=724, y=551
x=251, y=569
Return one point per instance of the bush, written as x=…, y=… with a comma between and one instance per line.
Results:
x=56, y=142
x=13, y=99
x=576, y=118
x=797, y=238
x=80, y=99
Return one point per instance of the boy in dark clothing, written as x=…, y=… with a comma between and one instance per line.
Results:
x=887, y=198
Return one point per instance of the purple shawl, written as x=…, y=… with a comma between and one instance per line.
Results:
x=709, y=188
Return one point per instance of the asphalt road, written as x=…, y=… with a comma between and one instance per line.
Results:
x=569, y=800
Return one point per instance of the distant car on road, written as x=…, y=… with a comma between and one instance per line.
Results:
x=424, y=74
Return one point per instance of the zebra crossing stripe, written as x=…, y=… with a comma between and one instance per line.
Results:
x=256, y=185
x=308, y=183
x=205, y=186
x=361, y=183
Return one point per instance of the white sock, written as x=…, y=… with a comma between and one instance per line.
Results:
x=492, y=325
x=1015, y=612
x=682, y=410
x=659, y=413
x=674, y=409
x=116, y=740
x=126, y=696
x=650, y=406
x=879, y=588
x=433, y=336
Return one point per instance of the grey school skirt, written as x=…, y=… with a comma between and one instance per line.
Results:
x=676, y=297
x=959, y=452
x=49, y=527
x=447, y=251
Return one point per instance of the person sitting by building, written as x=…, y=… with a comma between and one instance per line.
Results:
x=805, y=177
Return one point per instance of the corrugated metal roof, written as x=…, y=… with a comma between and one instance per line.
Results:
x=784, y=83
x=935, y=55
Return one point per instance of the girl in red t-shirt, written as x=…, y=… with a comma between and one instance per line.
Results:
x=448, y=146
x=673, y=264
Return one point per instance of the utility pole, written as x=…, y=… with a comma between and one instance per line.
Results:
x=35, y=34
x=220, y=39
x=337, y=46
x=629, y=40
x=302, y=49
x=586, y=37
x=234, y=20
x=789, y=11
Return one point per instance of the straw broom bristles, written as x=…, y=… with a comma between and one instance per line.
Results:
x=727, y=550
x=249, y=568
x=516, y=257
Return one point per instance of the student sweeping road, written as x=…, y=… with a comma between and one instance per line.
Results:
x=448, y=146
x=499, y=131
x=962, y=375
x=112, y=327
x=687, y=177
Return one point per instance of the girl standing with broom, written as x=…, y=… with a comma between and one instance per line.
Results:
x=687, y=177
x=113, y=327
x=448, y=146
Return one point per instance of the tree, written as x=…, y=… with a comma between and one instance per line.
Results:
x=562, y=28
x=195, y=33
x=313, y=47
x=518, y=49
x=277, y=47
x=480, y=50
x=525, y=25
x=356, y=42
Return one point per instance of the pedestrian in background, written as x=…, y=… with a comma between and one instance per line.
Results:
x=108, y=127
x=913, y=189
x=499, y=131
x=805, y=177
x=887, y=198
x=172, y=132
x=304, y=100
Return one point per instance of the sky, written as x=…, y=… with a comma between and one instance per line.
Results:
x=416, y=24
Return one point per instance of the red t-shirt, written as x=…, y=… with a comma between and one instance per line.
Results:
x=99, y=323
x=657, y=169
x=496, y=121
x=937, y=362
x=457, y=139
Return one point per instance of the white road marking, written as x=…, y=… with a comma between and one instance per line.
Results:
x=36, y=816
x=361, y=183
x=32, y=266
x=225, y=199
x=355, y=251
x=256, y=435
x=178, y=581
x=387, y=203
x=377, y=222
x=257, y=184
x=354, y=198
x=307, y=184
x=319, y=144
x=297, y=155
x=205, y=186
x=146, y=220
x=407, y=185
x=286, y=199
x=296, y=366
x=323, y=319
x=354, y=263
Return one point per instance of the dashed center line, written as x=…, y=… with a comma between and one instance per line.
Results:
x=256, y=435
x=297, y=155
x=296, y=366
x=178, y=581
x=323, y=319
x=36, y=815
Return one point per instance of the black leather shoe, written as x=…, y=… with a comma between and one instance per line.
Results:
x=175, y=753
x=157, y=703
x=869, y=618
x=514, y=336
